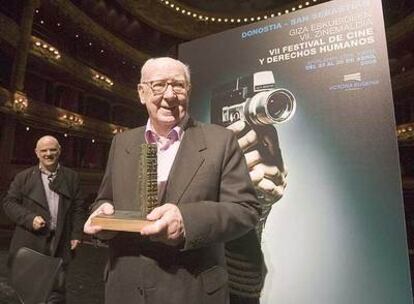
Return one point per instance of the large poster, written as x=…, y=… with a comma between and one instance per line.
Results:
x=315, y=86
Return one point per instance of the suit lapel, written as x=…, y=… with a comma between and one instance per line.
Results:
x=61, y=187
x=136, y=139
x=35, y=189
x=130, y=154
x=187, y=162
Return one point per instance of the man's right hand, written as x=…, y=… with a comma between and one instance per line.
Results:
x=38, y=222
x=268, y=178
x=105, y=208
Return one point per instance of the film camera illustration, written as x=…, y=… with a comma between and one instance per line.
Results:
x=255, y=99
x=259, y=101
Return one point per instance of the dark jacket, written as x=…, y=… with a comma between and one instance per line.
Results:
x=26, y=199
x=210, y=184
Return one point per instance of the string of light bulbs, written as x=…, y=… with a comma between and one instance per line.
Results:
x=228, y=19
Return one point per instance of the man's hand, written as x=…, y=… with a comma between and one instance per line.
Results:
x=38, y=222
x=168, y=226
x=266, y=176
x=74, y=244
x=105, y=208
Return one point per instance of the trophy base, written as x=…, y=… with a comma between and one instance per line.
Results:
x=127, y=221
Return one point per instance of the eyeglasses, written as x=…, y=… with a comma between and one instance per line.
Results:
x=159, y=87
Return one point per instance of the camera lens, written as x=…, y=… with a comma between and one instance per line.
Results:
x=279, y=105
x=270, y=107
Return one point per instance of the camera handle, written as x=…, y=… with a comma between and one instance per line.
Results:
x=268, y=146
x=271, y=154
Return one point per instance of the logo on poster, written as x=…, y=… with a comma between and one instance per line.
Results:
x=353, y=81
x=354, y=77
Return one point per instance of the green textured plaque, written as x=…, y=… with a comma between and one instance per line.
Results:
x=147, y=194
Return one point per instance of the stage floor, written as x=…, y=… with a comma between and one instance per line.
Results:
x=85, y=275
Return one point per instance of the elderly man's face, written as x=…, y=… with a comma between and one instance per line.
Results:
x=165, y=108
x=48, y=152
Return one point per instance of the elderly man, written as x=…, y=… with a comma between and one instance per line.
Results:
x=207, y=195
x=45, y=203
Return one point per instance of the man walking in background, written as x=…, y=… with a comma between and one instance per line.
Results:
x=45, y=203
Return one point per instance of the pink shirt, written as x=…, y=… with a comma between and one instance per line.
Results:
x=167, y=148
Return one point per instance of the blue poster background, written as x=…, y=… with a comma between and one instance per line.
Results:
x=338, y=233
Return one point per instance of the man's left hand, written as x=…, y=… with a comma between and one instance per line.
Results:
x=168, y=227
x=74, y=244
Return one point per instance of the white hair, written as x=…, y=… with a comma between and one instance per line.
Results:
x=150, y=61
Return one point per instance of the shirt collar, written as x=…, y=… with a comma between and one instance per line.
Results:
x=48, y=173
x=176, y=133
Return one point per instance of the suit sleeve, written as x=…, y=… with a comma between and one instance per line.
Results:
x=13, y=207
x=236, y=210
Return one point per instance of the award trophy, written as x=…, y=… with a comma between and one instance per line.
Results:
x=147, y=194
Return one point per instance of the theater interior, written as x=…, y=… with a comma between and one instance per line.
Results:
x=69, y=68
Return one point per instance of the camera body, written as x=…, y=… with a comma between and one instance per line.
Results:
x=255, y=99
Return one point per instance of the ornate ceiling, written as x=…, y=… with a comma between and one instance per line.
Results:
x=114, y=37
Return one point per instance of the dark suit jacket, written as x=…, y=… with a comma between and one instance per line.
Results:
x=26, y=199
x=209, y=182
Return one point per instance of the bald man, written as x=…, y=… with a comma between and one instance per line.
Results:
x=45, y=203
